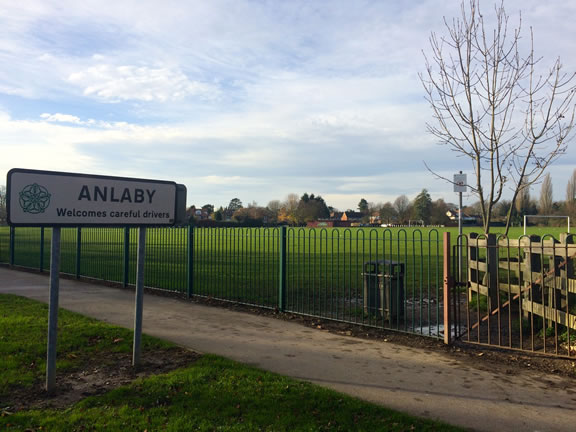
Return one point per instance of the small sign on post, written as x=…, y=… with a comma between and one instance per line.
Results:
x=459, y=188
x=460, y=182
x=58, y=199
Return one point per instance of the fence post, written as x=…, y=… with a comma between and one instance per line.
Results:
x=448, y=285
x=41, y=264
x=567, y=272
x=282, y=274
x=492, y=270
x=190, y=267
x=12, y=243
x=78, y=250
x=126, y=269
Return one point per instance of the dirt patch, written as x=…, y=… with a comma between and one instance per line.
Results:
x=100, y=373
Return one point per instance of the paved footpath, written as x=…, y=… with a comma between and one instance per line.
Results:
x=415, y=381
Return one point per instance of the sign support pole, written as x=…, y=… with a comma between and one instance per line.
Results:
x=459, y=187
x=460, y=236
x=53, y=310
x=139, y=296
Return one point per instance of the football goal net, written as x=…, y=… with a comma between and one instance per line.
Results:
x=528, y=217
x=416, y=223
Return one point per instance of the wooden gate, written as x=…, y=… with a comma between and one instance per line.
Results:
x=517, y=294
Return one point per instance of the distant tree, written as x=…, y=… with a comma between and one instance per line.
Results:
x=571, y=195
x=208, y=208
x=546, y=197
x=274, y=206
x=312, y=208
x=219, y=214
x=305, y=198
x=475, y=208
x=363, y=206
x=501, y=210
x=291, y=202
x=235, y=204
x=522, y=203
x=388, y=213
x=252, y=216
x=422, y=206
x=287, y=212
x=2, y=205
x=438, y=212
x=402, y=207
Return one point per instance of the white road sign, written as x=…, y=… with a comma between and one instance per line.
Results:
x=459, y=182
x=46, y=198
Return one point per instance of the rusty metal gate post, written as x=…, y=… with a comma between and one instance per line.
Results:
x=448, y=286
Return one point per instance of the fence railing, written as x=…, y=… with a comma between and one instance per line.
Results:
x=516, y=294
x=373, y=277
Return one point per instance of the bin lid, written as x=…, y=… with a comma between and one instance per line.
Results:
x=383, y=266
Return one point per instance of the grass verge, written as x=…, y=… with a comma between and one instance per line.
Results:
x=210, y=394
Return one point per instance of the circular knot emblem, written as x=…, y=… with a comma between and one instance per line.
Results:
x=34, y=199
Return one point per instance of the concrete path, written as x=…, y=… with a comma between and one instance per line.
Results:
x=415, y=381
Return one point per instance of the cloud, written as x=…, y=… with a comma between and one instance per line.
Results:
x=132, y=83
x=228, y=180
x=244, y=98
x=62, y=118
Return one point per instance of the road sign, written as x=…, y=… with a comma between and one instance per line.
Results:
x=48, y=198
x=459, y=182
x=57, y=199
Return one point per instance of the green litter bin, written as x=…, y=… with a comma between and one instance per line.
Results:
x=384, y=289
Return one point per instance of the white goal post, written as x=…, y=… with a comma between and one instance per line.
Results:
x=415, y=222
x=546, y=217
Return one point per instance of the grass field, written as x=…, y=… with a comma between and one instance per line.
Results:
x=210, y=394
x=325, y=271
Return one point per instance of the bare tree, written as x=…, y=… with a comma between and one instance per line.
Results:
x=402, y=207
x=287, y=212
x=274, y=206
x=546, y=196
x=522, y=202
x=494, y=105
x=388, y=213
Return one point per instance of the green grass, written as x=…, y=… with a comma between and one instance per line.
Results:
x=211, y=394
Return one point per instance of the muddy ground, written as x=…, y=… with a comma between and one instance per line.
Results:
x=99, y=373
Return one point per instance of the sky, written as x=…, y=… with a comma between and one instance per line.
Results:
x=248, y=99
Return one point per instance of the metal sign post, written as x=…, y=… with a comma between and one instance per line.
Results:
x=460, y=187
x=56, y=199
x=53, y=310
x=139, y=298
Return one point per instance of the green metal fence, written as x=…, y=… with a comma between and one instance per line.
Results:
x=374, y=277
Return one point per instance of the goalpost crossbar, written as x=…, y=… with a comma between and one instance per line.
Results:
x=546, y=217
